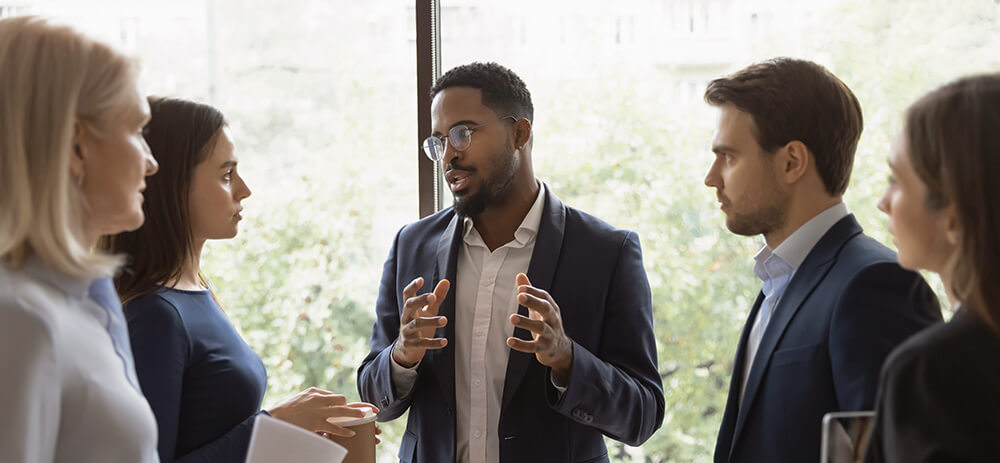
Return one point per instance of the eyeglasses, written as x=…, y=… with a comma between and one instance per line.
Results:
x=459, y=136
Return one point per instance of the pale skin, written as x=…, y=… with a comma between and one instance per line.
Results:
x=110, y=169
x=926, y=238
x=741, y=164
x=496, y=225
x=217, y=192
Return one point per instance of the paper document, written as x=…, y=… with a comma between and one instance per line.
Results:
x=275, y=441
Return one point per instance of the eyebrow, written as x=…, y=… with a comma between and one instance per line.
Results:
x=719, y=149
x=463, y=122
x=228, y=164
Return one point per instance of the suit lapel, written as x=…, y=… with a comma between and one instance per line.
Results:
x=726, y=430
x=446, y=266
x=812, y=271
x=541, y=272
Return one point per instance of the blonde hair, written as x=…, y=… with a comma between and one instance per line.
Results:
x=52, y=77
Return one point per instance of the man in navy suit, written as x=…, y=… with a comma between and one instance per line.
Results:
x=834, y=302
x=537, y=339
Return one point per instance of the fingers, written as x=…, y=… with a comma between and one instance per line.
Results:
x=522, y=280
x=424, y=343
x=542, y=306
x=411, y=289
x=364, y=405
x=428, y=322
x=347, y=411
x=520, y=345
x=537, y=327
x=333, y=430
x=440, y=292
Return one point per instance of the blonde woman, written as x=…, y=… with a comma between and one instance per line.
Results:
x=73, y=164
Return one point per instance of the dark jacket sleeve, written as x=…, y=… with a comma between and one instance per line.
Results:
x=617, y=389
x=162, y=349
x=881, y=307
x=375, y=372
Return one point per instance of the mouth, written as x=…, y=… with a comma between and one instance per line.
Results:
x=458, y=180
x=237, y=216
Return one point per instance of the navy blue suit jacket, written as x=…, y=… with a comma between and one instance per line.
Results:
x=847, y=306
x=595, y=273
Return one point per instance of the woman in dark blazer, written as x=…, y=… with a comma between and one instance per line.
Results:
x=939, y=398
x=203, y=382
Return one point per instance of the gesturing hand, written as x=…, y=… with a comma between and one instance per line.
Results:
x=548, y=342
x=418, y=322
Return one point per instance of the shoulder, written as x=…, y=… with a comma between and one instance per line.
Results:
x=861, y=252
x=942, y=348
x=27, y=303
x=29, y=310
x=594, y=230
x=427, y=227
x=157, y=312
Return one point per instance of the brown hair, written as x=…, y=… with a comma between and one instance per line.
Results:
x=952, y=135
x=181, y=134
x=791, y=99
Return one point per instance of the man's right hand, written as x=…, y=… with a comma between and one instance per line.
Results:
x=418, y=322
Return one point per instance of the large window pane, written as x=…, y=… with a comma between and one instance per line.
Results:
x=321, y=99
x=621, y=131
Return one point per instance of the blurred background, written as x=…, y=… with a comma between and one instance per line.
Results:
x=321, y=97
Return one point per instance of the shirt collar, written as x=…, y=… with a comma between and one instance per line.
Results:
x=524, y=234
x=794, y=250
x=73, y=287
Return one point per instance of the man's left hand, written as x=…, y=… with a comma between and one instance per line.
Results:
x=549, y=342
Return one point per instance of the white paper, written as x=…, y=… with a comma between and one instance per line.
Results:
x=275, y=441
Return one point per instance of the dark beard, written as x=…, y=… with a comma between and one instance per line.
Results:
x=505, y=166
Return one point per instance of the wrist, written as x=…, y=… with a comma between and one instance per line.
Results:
x=399, y=358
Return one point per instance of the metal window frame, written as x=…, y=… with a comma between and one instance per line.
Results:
x=429, y=180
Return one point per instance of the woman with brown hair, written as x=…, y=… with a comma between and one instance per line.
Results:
x=203, y=382
x=939, y=398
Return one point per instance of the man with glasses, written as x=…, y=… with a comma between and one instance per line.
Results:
x=512, y=327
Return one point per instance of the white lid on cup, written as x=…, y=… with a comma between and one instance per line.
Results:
x=348, y=421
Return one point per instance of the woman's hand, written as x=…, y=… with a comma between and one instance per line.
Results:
x=310, y=409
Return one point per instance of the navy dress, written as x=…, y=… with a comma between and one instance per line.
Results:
x=203, y=382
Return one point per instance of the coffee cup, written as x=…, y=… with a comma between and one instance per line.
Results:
x=360, y=447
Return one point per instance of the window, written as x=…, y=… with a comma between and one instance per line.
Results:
x=621, y=131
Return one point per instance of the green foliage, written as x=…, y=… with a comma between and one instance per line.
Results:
x=330, y=151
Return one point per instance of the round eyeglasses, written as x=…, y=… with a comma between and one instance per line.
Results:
x=459, y=137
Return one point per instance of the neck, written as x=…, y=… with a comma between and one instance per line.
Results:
x=946, y=280
x=799, y=212
x=190, y=278
x=497, y=224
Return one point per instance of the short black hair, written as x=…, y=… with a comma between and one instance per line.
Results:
x=503, y=91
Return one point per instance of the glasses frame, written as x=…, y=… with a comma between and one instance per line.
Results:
x=456, y=136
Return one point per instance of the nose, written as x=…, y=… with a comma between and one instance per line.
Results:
x=243, y=191
x=883, y=202
x=152, y=166
x=712, y=178
x=450, y=153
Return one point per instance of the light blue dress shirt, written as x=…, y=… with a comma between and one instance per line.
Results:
x=777, y=268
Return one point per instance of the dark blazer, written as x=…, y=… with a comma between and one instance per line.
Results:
x=595, y=273
x=847, y=306
x=940, y=396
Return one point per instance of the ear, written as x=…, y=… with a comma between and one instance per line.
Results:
x=522, y=133
x=952, y=229
x=794, y=163
x=79, y=149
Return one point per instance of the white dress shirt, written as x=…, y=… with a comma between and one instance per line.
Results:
x=485, y=293
x=777, y=268
x=65, y=391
